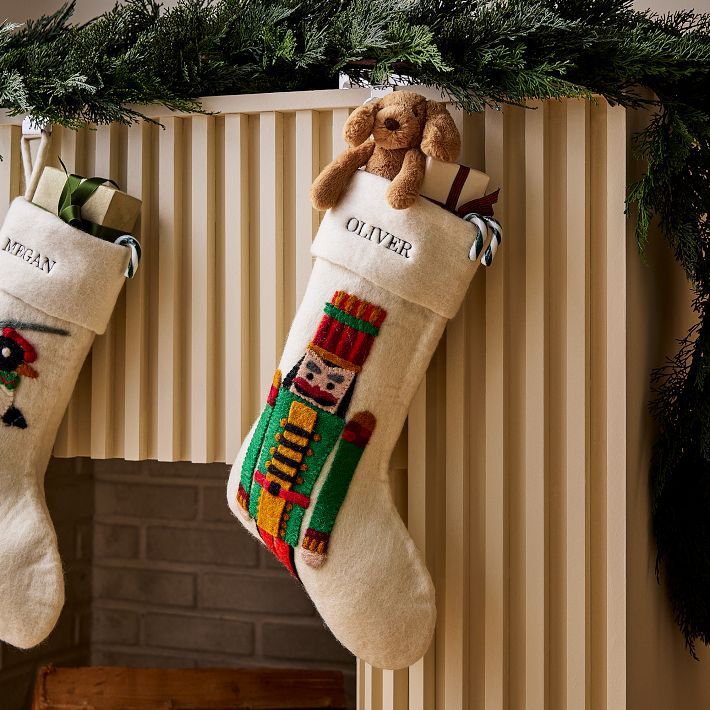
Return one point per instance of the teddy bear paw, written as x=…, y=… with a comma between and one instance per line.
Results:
x=323, y=199
x=400, y=199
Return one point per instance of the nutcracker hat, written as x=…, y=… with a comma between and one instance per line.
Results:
x=30, y=354
x=347, y=331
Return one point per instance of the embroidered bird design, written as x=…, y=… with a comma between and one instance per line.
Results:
x=16, y=354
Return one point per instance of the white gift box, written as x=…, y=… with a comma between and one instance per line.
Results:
x=108, y=206
x=452, y=185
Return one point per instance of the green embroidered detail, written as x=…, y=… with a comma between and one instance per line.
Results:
x=9, y=380
x=16, y=356
x=254, y=448
x=351, y=320
x=329, y=428
x=306, y=430
x=335, y=488
x=355, y=438
x=279, y=412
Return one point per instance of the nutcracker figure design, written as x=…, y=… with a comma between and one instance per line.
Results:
x=302, y=423
x=16, y=354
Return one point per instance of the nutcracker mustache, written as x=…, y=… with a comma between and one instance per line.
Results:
x=313, y=392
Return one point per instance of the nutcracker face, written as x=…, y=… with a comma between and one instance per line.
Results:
x=323, y=384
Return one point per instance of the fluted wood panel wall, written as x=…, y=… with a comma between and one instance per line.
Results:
x=511, y=472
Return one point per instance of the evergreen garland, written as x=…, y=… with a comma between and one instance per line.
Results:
x=483, y=53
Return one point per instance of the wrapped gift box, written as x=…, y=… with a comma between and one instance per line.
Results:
x=452, y=185
x=108, y=206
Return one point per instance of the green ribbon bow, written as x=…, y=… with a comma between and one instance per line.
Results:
x=75, y=194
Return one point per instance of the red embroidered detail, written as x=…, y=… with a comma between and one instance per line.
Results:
x=29, y=352
x=316, y=541
x=316, y=393
x=347, y=330
x=359, y=429
x=274, y=391
x=282, y=551
x=243, y=497
x=290, y=496
x=27, y=371
x=317, y=534
x=15, y=359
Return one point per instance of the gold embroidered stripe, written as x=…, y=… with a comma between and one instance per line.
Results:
x=288, y=470
x=294, y=439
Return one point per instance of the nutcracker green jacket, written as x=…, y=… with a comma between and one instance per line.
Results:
x=274, y=428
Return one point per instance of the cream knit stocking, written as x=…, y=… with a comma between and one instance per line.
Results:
x=58, y=287
x=311, y=480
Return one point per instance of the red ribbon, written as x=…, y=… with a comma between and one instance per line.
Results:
x=482, y=205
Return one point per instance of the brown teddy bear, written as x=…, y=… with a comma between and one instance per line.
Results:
x=405, y=128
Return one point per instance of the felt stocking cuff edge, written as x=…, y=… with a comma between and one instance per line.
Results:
x=420, y=254
x=59, y=269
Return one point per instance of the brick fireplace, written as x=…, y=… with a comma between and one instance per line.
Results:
x=159, y=575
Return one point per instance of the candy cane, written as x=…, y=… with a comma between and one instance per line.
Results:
x=496, y=238
x=484, y=225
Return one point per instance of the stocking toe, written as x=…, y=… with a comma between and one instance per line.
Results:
x=375, y=580
x=32, y=584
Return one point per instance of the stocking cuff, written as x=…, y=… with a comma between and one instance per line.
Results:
x=58, y=269
x=419, y=253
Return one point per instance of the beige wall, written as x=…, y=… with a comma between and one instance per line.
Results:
x=85, y=9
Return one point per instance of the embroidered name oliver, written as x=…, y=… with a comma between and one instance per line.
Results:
x=33, y=258
x=379, y=236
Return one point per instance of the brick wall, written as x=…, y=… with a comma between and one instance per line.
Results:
x=70, y=498
x=159, y=574
x=177, y=581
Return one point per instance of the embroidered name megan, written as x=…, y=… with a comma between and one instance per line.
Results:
x=32, y=257
x=378, y=235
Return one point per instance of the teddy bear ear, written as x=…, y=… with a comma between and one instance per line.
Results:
x=360, y=122
x=441, y=139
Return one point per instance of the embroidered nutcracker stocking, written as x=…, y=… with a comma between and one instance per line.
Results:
x=58, y=287
x=311, y=480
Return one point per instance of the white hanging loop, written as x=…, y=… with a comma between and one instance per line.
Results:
x=31, y=130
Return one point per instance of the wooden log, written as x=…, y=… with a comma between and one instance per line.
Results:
x=114, y=688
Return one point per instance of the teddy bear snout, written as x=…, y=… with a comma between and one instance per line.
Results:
x=391, y=124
